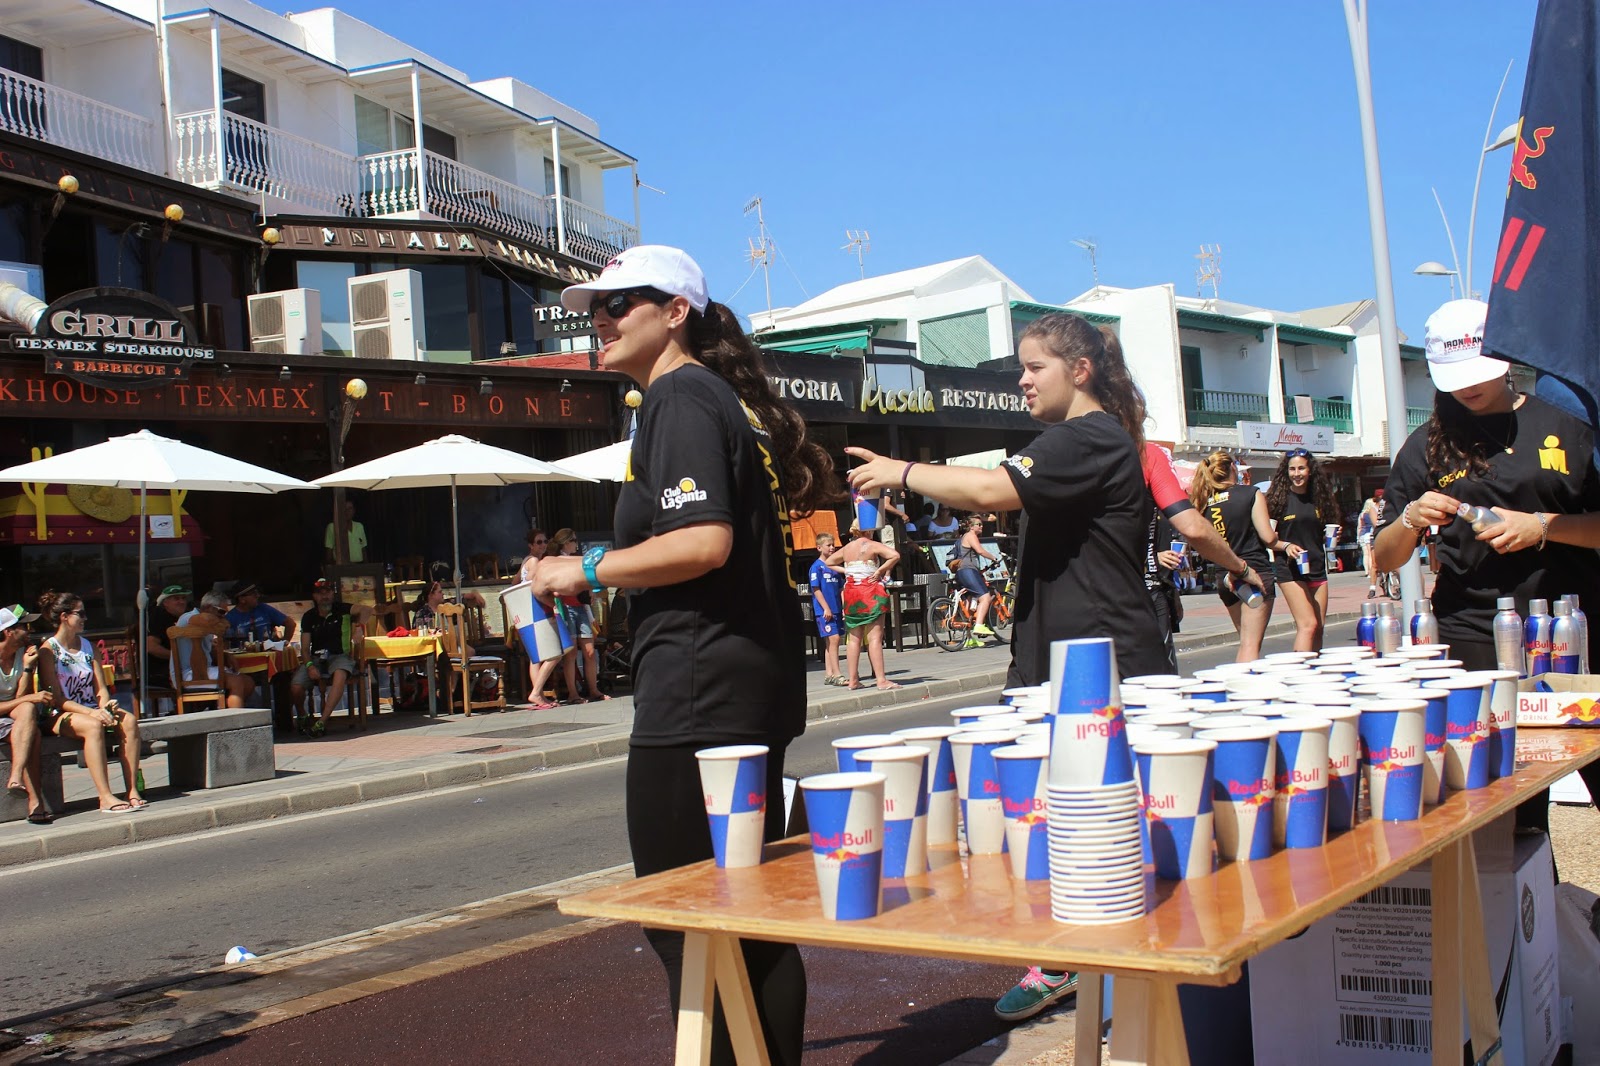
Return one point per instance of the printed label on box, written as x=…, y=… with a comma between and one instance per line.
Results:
x=1383, y=959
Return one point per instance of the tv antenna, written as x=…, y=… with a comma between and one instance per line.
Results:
x=858, y=241
x=1089, y=245
x=1209, y=271
x=760, y=253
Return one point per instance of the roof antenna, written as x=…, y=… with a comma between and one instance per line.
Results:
x=1209, y=271
x=1088, y=244
x=760, y=254
x=858, y=241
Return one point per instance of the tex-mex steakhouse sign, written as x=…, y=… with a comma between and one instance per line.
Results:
x=115, y=337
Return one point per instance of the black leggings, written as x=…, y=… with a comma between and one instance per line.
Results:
x=667, y=828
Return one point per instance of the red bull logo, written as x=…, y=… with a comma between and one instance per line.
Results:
x=1522, y=151
x=843, y=855
x=991, y=788
x=1342, y=766
x=755, y=799
x=1034, y=818
x=1396, y=755
x=828, y=843
x=1106, y=727
x=1165, y=802
x=1246, y=789
x=1434, y=741
x=1014, y=809
x=1584, y=710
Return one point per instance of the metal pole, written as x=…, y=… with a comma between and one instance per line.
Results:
x=1472, y=219
x=455, y=538
x=164, y=72
x=636, y=228
x=216, y=96
x=1393, y=380
x=1451, y=237
x=560, y=194
x=143, y=602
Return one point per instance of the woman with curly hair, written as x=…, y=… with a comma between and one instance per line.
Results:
x=1300, y=502
x=1239, y=513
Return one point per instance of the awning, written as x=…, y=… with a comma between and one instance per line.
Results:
x=115, y=518
x=1291, y=334
x=822, y=343
x=1210, y=322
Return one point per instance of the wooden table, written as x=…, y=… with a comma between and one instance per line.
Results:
x=1199, y=932
x=381, y=650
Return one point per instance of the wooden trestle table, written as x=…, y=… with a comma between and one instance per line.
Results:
x=1197, y=932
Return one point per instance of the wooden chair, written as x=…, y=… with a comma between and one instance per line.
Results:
x=408, y=568
x=202, y=689
x=452, y=620
x=159, y=688
x=357, y=688
x=485, y=566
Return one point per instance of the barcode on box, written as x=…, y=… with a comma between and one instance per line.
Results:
x=1378, y=1032
x=1408, y=986
x=1394, y=896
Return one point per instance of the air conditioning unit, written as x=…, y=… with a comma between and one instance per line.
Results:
x=1305, y=358
x=386, y=315
x=287, y=322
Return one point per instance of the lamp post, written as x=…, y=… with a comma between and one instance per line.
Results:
x=354, y=391
x=1434, y=269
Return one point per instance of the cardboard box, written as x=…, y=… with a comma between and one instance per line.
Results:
x=1574, y=701
x=1355, y=989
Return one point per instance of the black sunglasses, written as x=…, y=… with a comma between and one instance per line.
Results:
x=619, y=303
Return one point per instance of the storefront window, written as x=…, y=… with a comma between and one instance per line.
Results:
x=120, y=254
x=492, y=313
x=14, y=233
x=331, y=281
x=522, y=298
x=446, y=311
x=174, y=270
x=222, y=283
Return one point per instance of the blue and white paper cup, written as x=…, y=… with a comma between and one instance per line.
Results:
x=905, y=807
x=1502, y=722
x=1393, y=750
x=1083, y=675
x=978, y=783
x=1175, y=776
x=973, y=717
x=1242, y=772
x=867, y=516
x=1466, y=751
x=845, y=812
x=544, y=633
x=1088, y=749
x=1435, y=730
x=1344, y=762
x=1023, y=769
x=1300, y=802
x=845, y=748
x=944, y=805
x=734, y=780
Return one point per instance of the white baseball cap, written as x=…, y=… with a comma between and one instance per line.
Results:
x=1454, y=344
x=644, y=266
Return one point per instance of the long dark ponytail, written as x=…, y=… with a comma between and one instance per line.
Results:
x=1071, y=337
x=806, y=470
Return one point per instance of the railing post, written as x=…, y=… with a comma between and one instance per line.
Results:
x=560, y=194
x=416, y=129
x=216, y=95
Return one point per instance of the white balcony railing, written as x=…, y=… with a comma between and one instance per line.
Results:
x=52, y=114
x=457, y=192
x=261, y=159
x=594, y=236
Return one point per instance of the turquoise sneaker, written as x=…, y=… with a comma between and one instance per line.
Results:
x=1036, y=991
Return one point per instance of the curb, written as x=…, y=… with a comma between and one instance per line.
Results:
x=154, y=824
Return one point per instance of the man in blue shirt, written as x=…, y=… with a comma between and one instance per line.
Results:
x=250, y=619
x=827, y=607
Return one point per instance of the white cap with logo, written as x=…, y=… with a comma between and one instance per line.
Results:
x=644, y=266
x=1454, y=344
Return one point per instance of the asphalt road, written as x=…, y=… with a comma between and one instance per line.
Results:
x=93, y=924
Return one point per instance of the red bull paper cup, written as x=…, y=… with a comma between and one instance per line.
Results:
x=734, y=780
x=1090, y=749
x=1435, y=733
x=905, y=807
x=972, y=716
x=1176, y=778
x=1467, y=723
x=978, y=783
x=845, y=812
x=1083, y=675
x=1393, y=736
x=845, y=748
x=1300, y=799
x=1242, y=774
x=1344, y=762
x=867, y=514
x=1022, y=770
x=943, y=803
x=544, y=633
x=1502, y=722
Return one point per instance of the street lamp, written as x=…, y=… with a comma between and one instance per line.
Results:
x=1433, y=269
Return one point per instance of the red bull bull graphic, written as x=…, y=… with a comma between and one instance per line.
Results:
x=1522, y=151
x=1466, y=751
x=1300, y=808
x=1392, y=741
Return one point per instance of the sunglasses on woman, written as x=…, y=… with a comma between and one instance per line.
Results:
x=619, y=303
x=1298, y=453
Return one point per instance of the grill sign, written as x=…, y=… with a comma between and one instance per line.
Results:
x=117, y=337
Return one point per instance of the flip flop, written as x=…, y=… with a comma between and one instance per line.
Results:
x=41, y=817
x=139, y=804
x=16, y=789
x=119, y=808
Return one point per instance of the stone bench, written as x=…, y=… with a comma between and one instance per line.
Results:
x=205, y=749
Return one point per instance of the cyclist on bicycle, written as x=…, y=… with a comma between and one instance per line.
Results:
x=969, y=575
x=1367, y=524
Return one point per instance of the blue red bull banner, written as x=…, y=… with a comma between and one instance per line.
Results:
x=1542, y=310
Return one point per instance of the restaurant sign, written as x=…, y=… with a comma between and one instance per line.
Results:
x=115, y=337
x=555, y=322
x=1281, y=437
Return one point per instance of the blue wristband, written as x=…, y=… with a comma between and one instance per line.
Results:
x=591, y=560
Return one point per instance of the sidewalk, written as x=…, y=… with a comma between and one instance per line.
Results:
x=401, y=754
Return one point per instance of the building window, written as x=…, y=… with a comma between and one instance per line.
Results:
x=243, y=96
x=331, y=280
x=550, y=180
x=380, y=130
x=494, y=326
x=1189, y=358
x=446, y=313
x=438, y=141
x=24, y=59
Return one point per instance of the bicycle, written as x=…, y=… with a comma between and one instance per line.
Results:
x=950, y=618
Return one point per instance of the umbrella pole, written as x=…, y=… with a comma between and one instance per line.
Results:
x=455, y=536
x=142, y=601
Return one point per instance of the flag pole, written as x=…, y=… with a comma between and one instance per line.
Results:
x=1355, y=16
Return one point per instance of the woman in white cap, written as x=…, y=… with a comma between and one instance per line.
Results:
x=21, y=709
x=702, y=534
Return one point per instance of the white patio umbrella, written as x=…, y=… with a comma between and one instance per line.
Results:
x=450, y=460
x=602, y=464
x=142, y=461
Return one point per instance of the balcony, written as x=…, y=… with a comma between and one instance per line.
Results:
x=1338, y=414
x=1209, y=407
x=1417, y=417
x=51, y=114
x=255, y=159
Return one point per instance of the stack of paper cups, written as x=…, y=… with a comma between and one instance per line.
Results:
x=845, y=812
x=1502, y=721
x=978, y=785
x=972, y=717
x=1466, y=749
x=905, y=807
x=1175, y=776
x=943, y=803
x=1024, y=775
x=734, y=780
x=1300, y=806
x=1393, y=750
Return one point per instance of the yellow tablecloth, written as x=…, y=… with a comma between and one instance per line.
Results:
x=400, y=647
x=251, y=662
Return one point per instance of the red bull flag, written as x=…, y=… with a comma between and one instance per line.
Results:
x=1543, y=311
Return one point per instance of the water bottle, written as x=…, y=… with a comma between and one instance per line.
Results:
x=1386, y=633
x=1479, y=518
x=1248, y=594
x=1509, y=653
x=1366, y=627
x=1536, y=638
x=1424, y=625
x=1563, y=640
x=1581, y=622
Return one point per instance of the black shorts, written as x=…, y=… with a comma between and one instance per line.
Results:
x=1269, y=588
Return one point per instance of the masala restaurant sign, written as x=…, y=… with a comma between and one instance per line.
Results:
x=118, y=338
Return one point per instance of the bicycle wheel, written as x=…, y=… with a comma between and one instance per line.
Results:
x=944, y=625
x=1391, y=584
x=1000, y=616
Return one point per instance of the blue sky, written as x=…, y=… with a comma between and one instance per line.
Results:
x=1009, y=129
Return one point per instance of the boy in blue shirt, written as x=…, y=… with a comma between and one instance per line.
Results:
x=827, y=607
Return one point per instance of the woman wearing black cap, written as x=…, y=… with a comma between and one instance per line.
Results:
x=703, y=541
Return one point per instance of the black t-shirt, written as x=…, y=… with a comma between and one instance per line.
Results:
x=329, y=633
x=1300, y=524
x=722, y=657
x=1085, y=526
x=1550, y=469
x=157, y=621
x=1230, y=512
